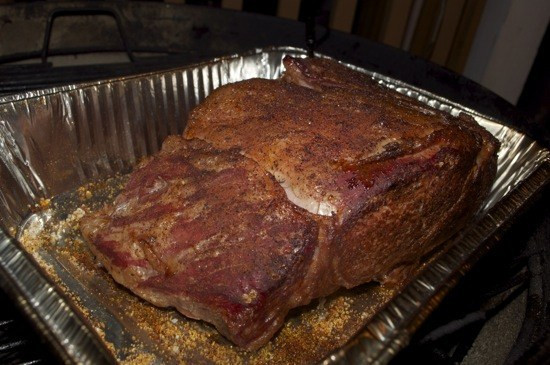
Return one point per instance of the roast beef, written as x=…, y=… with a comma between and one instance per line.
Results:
x=209, y=233
x=285, y=190
x=399, y=177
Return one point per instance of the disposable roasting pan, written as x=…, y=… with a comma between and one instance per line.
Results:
x=66, y=149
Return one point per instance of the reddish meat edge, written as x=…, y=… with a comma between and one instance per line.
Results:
x=211, y=234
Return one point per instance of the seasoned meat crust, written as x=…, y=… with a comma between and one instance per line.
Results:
x=210, y=233
x=282, y=191
x=398, y=177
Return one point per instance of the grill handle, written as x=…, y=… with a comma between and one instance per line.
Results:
x=84, y=12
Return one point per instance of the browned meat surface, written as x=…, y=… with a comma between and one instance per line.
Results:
x=210, y=233
x=300, y=186
x=397, y=176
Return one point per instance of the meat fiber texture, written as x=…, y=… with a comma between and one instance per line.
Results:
x=282, y=191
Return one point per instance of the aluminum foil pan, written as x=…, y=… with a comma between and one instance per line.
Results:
x=65, y=151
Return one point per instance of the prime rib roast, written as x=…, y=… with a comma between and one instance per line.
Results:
x=282, y=191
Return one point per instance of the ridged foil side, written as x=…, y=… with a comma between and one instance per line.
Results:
x=49, y=310
x=53, y=141
x=56, y=139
